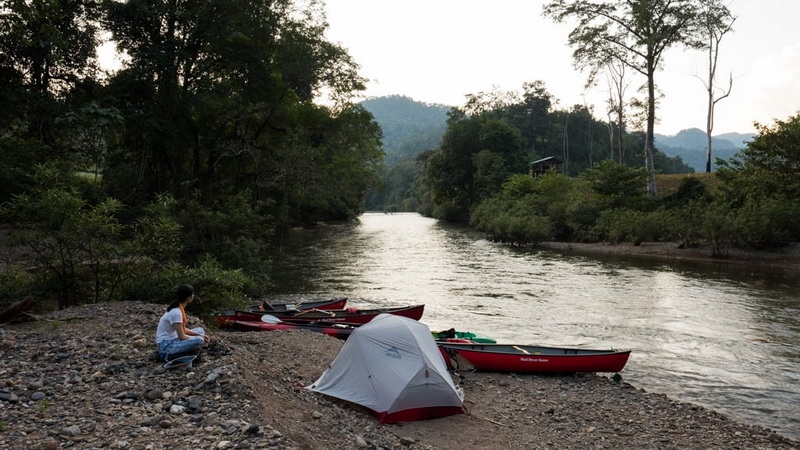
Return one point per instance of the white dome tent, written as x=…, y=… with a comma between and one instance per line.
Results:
x=392, y=366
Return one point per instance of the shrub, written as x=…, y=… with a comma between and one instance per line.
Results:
x=16, y=284
x=719, y=228
x=236, y=231
x=618, y=225
x=768, y=222
x=511, y=221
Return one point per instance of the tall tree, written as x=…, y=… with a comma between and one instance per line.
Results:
x=634, y=32
x=50, y=45
x=717, y=22
x=218, y=97
x=617, y=88
x=47, y=49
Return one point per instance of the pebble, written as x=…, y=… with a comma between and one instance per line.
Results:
x=73, y=430
x=154, y=394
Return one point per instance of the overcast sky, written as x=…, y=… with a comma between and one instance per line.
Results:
x=438, y=51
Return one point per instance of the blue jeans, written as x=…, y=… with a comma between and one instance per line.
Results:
x=172, y=346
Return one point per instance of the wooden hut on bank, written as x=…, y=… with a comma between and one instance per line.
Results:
x=542, y=166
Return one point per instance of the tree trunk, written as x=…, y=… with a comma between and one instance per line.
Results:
x=649, y=137
x=709, y=128
x=710, y=116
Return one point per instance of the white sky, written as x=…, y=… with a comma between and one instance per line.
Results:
x=438, y=51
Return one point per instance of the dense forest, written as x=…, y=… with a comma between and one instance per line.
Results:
x=183, y=164
x=411, y=128
x=231, y=121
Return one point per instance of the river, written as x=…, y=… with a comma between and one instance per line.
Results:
x=718, y=335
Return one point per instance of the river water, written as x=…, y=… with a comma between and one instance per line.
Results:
x=718, y=335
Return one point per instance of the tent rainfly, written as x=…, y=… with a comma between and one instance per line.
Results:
x=392, y=366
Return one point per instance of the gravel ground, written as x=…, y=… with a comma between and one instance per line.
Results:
x=85, y=378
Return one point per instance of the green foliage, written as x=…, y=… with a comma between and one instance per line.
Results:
x=720, y=229
x=684, y=222
x=81, y=251
x=511, y=221
x=616, y=185
x=86, y=133
x=528, y=210
x=627, y=225
x=519, y=186
x=236, y=231
x=768, y=221
x=231, y=109
x=409, y=127
x=67, y=238
x=669, y=165
x=580, y=215
x=42, y=406
x=768, y=166
x=218, y=288
x=689, y=190
x=16, y=284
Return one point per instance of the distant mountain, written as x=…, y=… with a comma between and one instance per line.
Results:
x=409, y=127
x=738, y=139
x=690, y=145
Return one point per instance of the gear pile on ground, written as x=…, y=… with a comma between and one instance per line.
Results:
x=86, y=378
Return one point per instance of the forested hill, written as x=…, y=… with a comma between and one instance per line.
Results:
x=690, y=145
x=409, y=127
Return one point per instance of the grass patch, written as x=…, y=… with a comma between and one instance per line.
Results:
x=668, y=184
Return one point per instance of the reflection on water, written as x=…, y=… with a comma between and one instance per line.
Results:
x=717, y=335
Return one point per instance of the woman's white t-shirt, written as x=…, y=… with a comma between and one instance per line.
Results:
x=165, y=330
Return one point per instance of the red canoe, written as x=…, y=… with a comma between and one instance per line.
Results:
x=533, y=359
x=267, y=307
x=336, y=330
x=349, y=316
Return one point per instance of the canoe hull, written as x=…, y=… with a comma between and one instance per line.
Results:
x=267, y=307
x=346, y=316
x=334, y=330
x=534, y=359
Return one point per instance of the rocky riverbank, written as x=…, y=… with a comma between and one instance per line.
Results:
x=84, y=378
x=787, y=258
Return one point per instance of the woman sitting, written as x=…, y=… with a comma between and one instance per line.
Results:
x=172, y=336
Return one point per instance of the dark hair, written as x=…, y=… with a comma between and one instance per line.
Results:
x=184, y=291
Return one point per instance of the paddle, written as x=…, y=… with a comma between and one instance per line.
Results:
x=269, y=318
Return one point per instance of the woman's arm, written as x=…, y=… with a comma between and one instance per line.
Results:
x=185, y=333
x=182, y=334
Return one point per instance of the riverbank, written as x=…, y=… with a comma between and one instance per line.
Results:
x=787, y=258
x=84, y=378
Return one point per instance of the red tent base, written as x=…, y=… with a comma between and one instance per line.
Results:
x=410, y=415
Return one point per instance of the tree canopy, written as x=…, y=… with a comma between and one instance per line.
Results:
x=634, y=33
x=217, y=105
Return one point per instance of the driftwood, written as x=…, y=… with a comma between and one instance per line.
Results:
x=18, y=310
